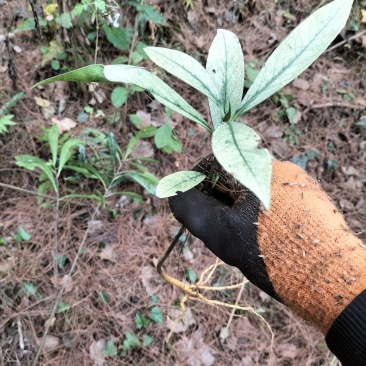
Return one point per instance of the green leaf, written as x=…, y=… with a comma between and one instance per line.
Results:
x=92, y=73
x=52, y=51
x=297, y=52
x=11, y=103
x=119, y=37
x=137, y=76
x=103, y=296
x=235, y=147
x=225, y=65
x=175, y=144
x=141, y=321
x=216, y=115
x=154, y=299
x=147, y=132
x=28, y=288
x=135, y=119
x=63, y=307
x=151, y=13
x=163, y=136
x=191, y=275
x=65, y=20
x=22, y=235
x=146, y=340
x=131, y=144
x=55, y=64
x=291, y=113
x=178, y=182
x=66, y=153
x=187, y=69
x=6, y=121
x=361, y=123
x=146, y=180
x=61, y=261
x=131, y=341
x=78, y=9
x=25, y=26
x=31, y=162
x=156, y=315
x=119, y=96
x=160, y=90
x=53, y=141
x=110, y=349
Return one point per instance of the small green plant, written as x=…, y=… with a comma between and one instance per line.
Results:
x=71, y=161
x=6, y=121
x=235, y=146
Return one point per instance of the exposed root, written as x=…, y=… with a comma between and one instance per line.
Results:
x=192, y=292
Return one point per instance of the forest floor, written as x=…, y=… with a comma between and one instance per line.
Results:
x=115, y=296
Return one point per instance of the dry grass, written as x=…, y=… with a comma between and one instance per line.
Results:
x=128, y=275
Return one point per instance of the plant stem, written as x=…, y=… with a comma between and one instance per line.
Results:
x=4, y=185
x=169, y=250
x=55, y=249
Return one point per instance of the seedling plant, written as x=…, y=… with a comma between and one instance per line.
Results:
x=234, y=145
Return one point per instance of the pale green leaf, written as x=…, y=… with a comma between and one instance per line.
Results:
x=151, y=13
x=28, y=288
x=145, y=179
x=156, y=315
x=66, y=153
x=160, y=90
x=31, y=162
x=119, y=96
x=110, y=349
x=53, y=141
x=92, y=73
x=225, y=64
x=141, y=321
x=6, y=121
x=185, y=68
x=55, y=48
x=216, y=116
x=119, y=37
x=146, y=340
x=137, y=76
x=22, y=235
x=235, y=147
x=298, y=51
x=163, y=136
x=178, y=182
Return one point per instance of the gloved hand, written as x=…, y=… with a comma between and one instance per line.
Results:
x=301, y=251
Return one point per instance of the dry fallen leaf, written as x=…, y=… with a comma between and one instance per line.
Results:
x=149, y=279
x=51, y=342
x=363, y=13
x=287, y=350
x=69, y=283
x=143, y=149
x=65, y=124
x=301, y=84
x=42, y=102
x=99, y=96
x=145, y=119
x=363, y=40
x=108, y=254
x=96, y=352
x=17, y=49
x=48, y=112
x=297, y=117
